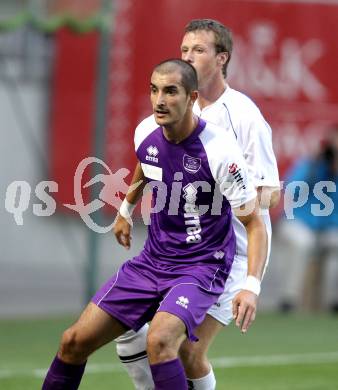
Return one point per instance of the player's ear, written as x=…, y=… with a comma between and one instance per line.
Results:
x=222, y=57
x=193, y=96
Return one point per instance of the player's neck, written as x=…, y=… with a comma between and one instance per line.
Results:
x=210, y=92
x=179, y=131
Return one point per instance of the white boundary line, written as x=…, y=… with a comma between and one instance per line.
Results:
x=222, y=362
x=276, y=360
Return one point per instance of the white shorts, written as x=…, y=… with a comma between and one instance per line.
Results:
x=222, y=310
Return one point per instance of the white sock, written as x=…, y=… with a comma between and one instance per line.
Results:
x=208, y=382
x=131, y=349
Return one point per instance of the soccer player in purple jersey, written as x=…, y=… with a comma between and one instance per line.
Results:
x=207, y=45
x=190, y=247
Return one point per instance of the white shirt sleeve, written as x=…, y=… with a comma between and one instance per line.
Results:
x=143, y=129
x=235, y=183
x=258, y=150
x=228, y=166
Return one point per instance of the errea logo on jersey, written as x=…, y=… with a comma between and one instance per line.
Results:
x=152, y=154
x=182, y=301
x=219, y=255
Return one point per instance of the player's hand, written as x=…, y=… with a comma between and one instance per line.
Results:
x=122, y=231
x=244, y=306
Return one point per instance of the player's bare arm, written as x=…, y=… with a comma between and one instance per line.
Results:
x=268, y=197
x=122, y=226
x=245, y=302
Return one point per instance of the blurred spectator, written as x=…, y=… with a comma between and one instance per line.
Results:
x=311, y=238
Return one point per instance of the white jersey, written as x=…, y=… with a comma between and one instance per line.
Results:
x=235, y=111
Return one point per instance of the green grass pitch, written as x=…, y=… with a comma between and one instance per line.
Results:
x=294, y=352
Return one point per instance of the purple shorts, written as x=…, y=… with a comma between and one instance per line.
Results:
x=143, y=286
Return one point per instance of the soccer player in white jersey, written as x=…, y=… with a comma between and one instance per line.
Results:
x=207, y=45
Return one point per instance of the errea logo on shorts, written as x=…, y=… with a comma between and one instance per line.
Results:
x=152, y=154
x=219, y=255
x=182, y=301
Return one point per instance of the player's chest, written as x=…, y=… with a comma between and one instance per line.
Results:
x=170, y=163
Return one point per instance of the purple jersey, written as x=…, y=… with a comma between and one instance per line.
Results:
x=195, y=183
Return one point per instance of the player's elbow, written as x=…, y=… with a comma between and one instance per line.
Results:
x=268, y=197
x=275, y=198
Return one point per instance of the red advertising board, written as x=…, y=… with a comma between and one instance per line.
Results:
x=284, y=58
x=72, y=107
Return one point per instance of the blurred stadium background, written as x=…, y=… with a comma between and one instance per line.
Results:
x=74, y=83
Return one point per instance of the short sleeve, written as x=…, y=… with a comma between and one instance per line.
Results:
x=228, y=166
x=235, y=183
x=143, y=129
x=258, y=151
